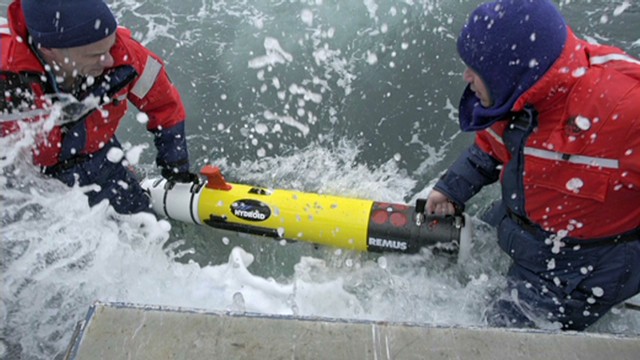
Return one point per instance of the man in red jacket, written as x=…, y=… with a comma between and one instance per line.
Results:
x=558, y=124
x=71, y=55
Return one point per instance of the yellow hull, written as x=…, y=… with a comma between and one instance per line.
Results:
x=321, y=219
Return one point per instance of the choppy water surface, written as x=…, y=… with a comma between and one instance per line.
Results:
x=353, y=98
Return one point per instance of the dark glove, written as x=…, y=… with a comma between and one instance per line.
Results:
x=180, y=177
x=173, y=157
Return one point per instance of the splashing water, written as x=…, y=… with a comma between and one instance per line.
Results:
x=352, y=98
x=59, y=256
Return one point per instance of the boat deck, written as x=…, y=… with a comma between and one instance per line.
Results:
x=127, y=331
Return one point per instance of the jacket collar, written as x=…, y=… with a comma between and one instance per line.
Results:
x=20, y=53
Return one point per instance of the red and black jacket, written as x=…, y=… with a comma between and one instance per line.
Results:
x=151, y=92
x=568, y=156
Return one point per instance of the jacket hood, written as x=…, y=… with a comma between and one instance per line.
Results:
x=510, y=44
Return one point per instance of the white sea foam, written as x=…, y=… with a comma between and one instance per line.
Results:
x=58, y=255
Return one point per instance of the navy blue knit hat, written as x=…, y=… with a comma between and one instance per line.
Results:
x=68, y=23
x=510, y=44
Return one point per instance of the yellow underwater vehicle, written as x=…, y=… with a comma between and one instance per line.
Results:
x=347, y=223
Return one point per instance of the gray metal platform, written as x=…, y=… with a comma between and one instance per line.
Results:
x=127, y=331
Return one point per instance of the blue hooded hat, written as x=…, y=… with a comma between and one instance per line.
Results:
x=68, y=23
x=510, y=44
